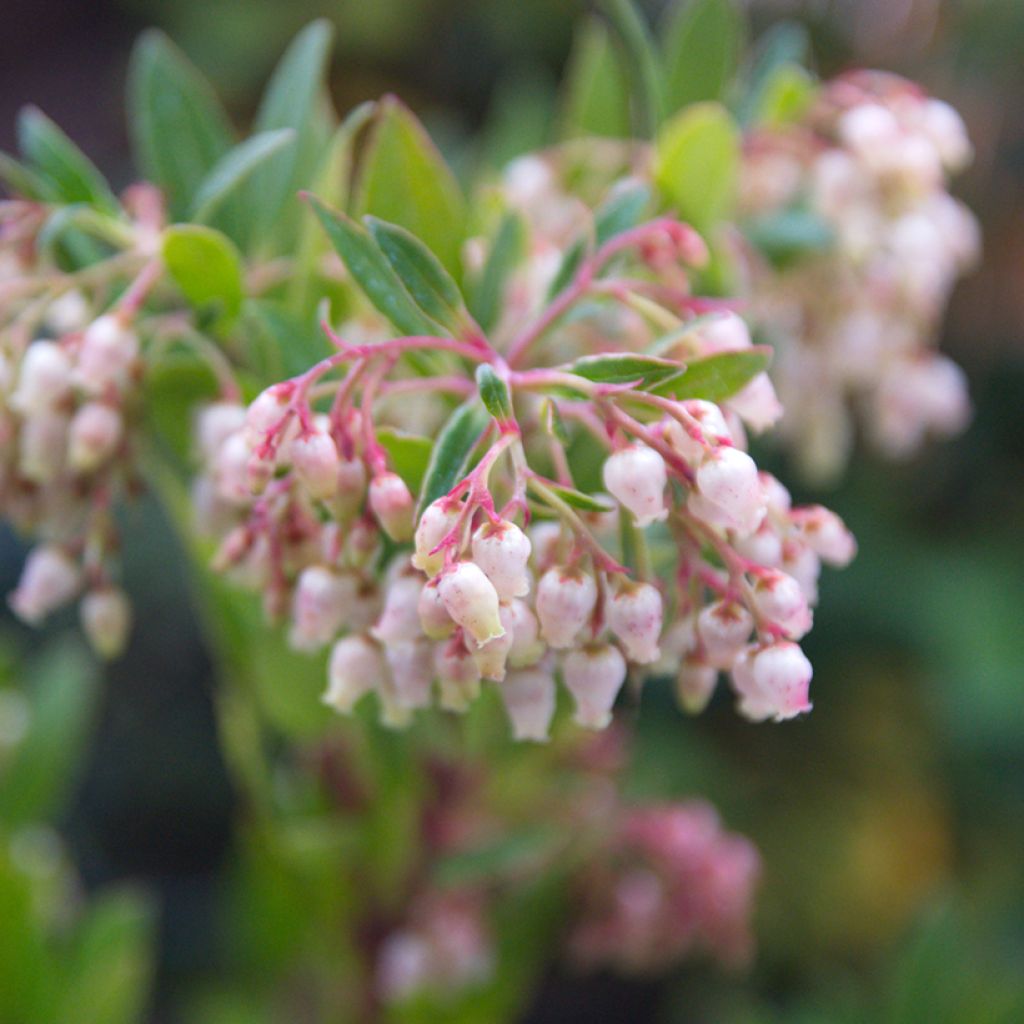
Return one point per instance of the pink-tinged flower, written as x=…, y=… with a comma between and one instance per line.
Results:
x=803, y=564
x=868, y=130
x=826, y=535
x=763, y=546
x=772, y=681
x=392, y=504
x=636, y=477
x=472, y=602
x=946, y=131
x=93, y=436
x=457, y=675
x=729, y=493
x=231, y=470
x=527, y=648
x=351, y=489
x=695, y=684
x=565, y=603
x=315, y=459
x=106, y=615
x=594, y=675
x=68, y=313
x=634, y=615
x=42, y=446
x=529, y=697
x=264, y=414
x=435, y=524
x=356, y=667
x=215, y=423
x=724, y=332
x=44, y=380
x=411, y=664
x=724, y=628
x=502, y=550
x=399, y=622
x=757, y=403
x=547, y=538
x=435, y=621
x=320, y=607
x=780, y=600
x=107, y=356
x=49, y=579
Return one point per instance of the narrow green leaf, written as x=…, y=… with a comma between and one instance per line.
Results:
x=553, y=422
x=230, y=174
x=454, y=445
x=784, y=43
x=87, y=223
x=508, y=857
x=621, y=212
x=408, y=455
x=577, y=499
x=786, y=96
x=643, y=66
x=596, y=93
x=22, y=181
x=625, y=368
x=429, y=284
x=485, y=297
x=56, y=159
x=715, y=378
x=696, y=164
x=371, y=270
x=207, y=267
x=178, y=126
x=571, y=261
x=789, y=234
x=494, y=393
x=404, y=180
x=702, y=48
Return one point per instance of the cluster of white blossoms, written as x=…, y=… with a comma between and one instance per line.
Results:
x=67, y=404
x=689, y=561
x=854, y=321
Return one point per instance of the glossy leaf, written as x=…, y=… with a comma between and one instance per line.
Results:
x=715, y=378
x=228, y=177
x=403, y=179
x=207, y=268
x=616, y=368
x=702, y=47
x=429, y=284
x=179, y=128
x=452, y=451
x=596, y=100
x=24, y=182
x=408, y=455
x=486, y=295
x=696, y=164
x=371, y=270
x=57, y=160
x=494, y=393
x=577, y=499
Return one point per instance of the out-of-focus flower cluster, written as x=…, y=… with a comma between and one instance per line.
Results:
x=687, y=560
x=854, y=320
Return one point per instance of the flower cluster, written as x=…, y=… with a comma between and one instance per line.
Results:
x=502, y=570
x=854, y=322
x=672, y=883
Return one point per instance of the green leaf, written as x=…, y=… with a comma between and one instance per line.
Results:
x=789, y=234
x=486, y=295
x=454, y=445
x=206, y=267
x=571, y=261
x=429, y=284
x=577, y=499
x=696, y=164
x=294, y=98
x=228, y=177
x=371, y=270
x=522, y=851
x=596, y=94
x=702, y=47
x=293, y=343
x=494, y=393
x=621, y=212
x=553, y=423
x=74, y=177
x=643, y=66
x=715, y=378
x=179, y=128
x=172, y=390
x=408, y=455
x=23, y=181
x=404, y=180
x=786, y=43
x=786, y=96
x=625, y=368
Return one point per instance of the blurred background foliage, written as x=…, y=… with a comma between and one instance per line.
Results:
x=891, y=820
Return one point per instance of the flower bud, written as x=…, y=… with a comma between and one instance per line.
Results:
x=529, y=698
x=392, y=504
x=411, y=664
x=106, y=619
x=757, y=404
x=435, y=621
x=435, y=524
x=804, y=566
x=44, y=380
x=320, y=607
x=594, y=676
x=763, y=546
x=826, y=535
x=351, y=488
x=400, y=620
x=723, y=628
x=48, y=580
x=772, y=682
x=457, y=676
x=729, y=493
x=946, y=131
x=316, y=461
x=546, y=539
x=565, y=602
x=724, y=332
x=93, y=436
x=231, y=470
x=502, y=550
x=472, y=602
x=527, y=647
x=42, y=446
x=634, y=615
x=695, y=683
x=779, y=599
x=265, y=413
x=106, y=357
x=356, y=667
x=636, y=477
x=215, y=423
x=68, y=312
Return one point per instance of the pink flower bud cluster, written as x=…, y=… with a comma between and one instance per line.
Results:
x=672, y=883
x=67, y=410
x=855, y=324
